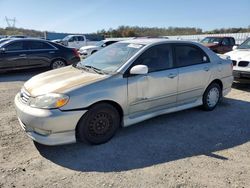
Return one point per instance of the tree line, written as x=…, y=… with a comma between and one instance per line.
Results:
x=132, y=31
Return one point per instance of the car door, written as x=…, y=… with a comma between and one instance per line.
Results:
x=14, y=55
x=158, y=89
x=80, y=42
x=194, y=69
x=72, y=42
x=226, y=45
x=40, y=53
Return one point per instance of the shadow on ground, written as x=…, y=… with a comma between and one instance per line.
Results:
x=21, y=75
x=243, y=85
x=160, y=140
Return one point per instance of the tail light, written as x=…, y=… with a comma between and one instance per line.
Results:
x=76, y=53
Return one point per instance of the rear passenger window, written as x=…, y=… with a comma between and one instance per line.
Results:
x=37, y=45
x=15, y=46
x=157, y=58
x=189, y=55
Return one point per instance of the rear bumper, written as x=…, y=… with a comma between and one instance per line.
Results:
x=74, y=60
x=48, y=127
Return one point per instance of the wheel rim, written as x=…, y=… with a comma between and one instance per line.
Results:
x=100, y=125
x=58, y=64
x=213, y=97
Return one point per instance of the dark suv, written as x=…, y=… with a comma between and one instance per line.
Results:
x=219, y=45
x=31, y=53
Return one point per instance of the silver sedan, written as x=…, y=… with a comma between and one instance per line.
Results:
x=120, y=85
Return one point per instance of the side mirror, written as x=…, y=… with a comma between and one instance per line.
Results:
x=235, y=47
x=139, y=69
x=2, y=50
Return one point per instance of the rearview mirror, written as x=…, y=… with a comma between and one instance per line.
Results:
x=139, y=69
x=2, y=50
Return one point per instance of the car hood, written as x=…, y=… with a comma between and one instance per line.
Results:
x=60, y=80
x=88, y=47
x=239, y=54
x=209, y=45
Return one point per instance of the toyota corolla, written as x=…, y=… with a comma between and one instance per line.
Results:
x=120, y=85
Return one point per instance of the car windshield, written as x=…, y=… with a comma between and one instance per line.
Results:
x=214, y=40
x=245, y=44
x=66, y=38
x=109, y=59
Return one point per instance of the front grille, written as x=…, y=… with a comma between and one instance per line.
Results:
x=234, y=63
x=24, y=96
x=243, y=63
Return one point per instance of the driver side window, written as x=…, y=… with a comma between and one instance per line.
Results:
x=156, y=58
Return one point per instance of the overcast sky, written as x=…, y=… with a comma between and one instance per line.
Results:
x=85, y=16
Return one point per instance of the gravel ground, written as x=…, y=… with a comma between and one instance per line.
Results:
x=191, y=148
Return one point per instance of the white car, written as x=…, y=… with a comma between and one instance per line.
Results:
x=86, y=51
x=240, y=57
x=77, y=41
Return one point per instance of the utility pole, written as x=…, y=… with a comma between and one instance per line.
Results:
x=10, y=22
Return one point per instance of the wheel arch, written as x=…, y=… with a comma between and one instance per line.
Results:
x=217, y=81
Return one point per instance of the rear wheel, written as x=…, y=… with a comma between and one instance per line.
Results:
x=212, y=96
x=99, y=124
x=58, y=63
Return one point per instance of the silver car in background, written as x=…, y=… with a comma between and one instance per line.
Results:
x=123, y=84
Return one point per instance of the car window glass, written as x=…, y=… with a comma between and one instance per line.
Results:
x=15, y=46
x=156, y=58
x=225, y=42
x=232, y=42
x=72, y=39
x=189, y=55
x=80, y=38
x=37, y=45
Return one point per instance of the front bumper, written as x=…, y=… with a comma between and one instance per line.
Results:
x=48, y=127
x=241, y=74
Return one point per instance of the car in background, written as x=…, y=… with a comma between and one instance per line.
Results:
x=219, y=44
x=241, y=60
x=76, y=41
x=120, y=85
x=27, y=53
x=86, y=51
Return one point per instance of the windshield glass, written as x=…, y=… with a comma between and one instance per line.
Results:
x=111, y=58
x=66, y=38
x=214, y=40
x=245, y=44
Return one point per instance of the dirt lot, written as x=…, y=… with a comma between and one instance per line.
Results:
x=191, y=148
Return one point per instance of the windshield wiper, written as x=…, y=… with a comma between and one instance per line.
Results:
x=99, y=71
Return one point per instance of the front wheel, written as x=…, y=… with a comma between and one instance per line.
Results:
x=212, y=96
x=99, y=124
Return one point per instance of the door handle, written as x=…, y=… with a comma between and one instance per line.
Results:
x=172, y=75
x=206, y=69
x=22, y=55
x=51, y=52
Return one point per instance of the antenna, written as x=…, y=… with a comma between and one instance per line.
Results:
x=10, y=22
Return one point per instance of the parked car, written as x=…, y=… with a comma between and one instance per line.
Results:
x=219, y=45
x=241, y=60
x=76, y=41
x=120, y=85
x=86, y=51
x=32, y=53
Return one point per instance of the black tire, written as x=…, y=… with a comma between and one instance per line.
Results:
x=99, y=124
x=93, y=52
x=207, y=105
x=57, y=63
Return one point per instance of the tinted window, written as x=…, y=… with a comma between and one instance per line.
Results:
x=15, y=46
x=232, y=41
x=80, y=38
x=156, y=58
x=226, y=42
x=109, y=42
x=189, y=55
x=37, y=45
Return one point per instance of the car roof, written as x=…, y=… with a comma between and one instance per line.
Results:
x=219, y=37
x=149, y=41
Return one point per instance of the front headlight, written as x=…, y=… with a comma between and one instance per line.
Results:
x=49, y=101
